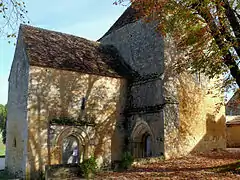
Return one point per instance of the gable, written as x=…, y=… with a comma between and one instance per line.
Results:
x=57, y=50
x=129, y=16
x=234, y=98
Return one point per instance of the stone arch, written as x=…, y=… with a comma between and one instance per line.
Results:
x=82, y=138
x=142, y=140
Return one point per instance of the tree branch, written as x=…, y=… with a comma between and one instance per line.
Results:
x=216, y=33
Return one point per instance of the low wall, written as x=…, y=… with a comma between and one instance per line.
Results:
x=233, y=139
x=2, y=162
x=63, y=171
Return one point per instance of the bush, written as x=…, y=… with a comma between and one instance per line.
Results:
x=89, y=167
x=127, y=161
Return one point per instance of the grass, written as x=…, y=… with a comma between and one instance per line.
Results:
x=2, y=147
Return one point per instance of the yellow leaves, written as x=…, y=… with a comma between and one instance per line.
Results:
x=212, y=165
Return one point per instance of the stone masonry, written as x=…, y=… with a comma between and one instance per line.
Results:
x=139, y=103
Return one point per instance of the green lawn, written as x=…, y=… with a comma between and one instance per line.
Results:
x=2, y=147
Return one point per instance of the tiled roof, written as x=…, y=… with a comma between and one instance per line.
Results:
x=233, y=99
x=233, y=120
x=52, y=49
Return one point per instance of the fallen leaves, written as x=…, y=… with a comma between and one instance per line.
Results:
x=213, y=165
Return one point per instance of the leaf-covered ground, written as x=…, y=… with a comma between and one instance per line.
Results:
x=213, y=165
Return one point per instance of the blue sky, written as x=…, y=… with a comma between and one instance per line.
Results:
x=86, y=18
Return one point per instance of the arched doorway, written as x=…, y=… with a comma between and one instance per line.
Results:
x=142, y=138
x=70, y=150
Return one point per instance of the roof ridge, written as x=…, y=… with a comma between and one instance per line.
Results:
x=128, y=16
x=23, y=26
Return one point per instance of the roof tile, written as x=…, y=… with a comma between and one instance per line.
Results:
x=52, y=49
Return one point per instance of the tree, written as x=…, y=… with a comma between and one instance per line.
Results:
x=206, y=32
x=12, y=12
x=3, y=121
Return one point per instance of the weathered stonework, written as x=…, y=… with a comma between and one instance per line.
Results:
x=194, y=116
x=136, y=42
x=233, y=135
x=232, y=131
x=134, y=95
x=55, y=93
x=166, y=123
x=17, y=132
x=233, y=121
x=141, y=48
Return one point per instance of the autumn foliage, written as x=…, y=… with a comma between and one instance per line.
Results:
x=206, y=32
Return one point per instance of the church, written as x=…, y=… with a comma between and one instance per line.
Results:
x=118, y=94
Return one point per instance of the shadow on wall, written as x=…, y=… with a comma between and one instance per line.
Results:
x=215, y=137
x=56, y=93
x=199, y=124
x=201, y=116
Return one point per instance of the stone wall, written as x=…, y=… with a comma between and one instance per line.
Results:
x=142, y=48
x=56, y=93
x=190, y=118
x=16, y=138
x=57, y=135
x=194, y=115
x=233, y=140
x=119, y=132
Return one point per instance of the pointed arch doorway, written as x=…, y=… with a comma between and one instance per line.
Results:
x=142, y=140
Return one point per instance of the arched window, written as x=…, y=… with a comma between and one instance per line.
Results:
x=70, y=150
x=14, y=142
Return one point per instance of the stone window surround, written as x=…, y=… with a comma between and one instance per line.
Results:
x=77, y=132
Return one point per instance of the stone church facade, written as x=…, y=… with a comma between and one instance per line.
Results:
x=138, y=103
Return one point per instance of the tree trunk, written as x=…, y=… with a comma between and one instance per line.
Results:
x=232, y=20
x=234, y=24
x=215, y=31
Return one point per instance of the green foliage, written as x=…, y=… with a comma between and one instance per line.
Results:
x=70, y=122
x=3, y=121
x=126, y=161
x=2, y=149
x=41, y=175
x=89, y=167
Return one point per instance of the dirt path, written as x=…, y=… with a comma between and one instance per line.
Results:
x=214, y=165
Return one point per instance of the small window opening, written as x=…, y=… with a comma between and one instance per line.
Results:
x=14, y=142
x=83, y=103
